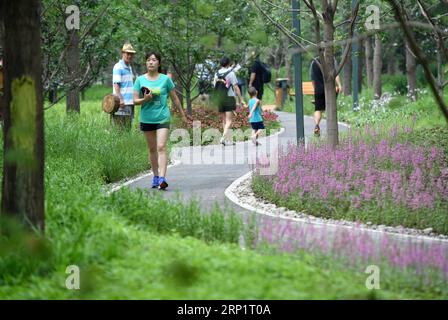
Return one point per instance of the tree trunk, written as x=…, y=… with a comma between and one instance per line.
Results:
x=330, y=83
x=73, y=67
x=391, y=65
x=188, y=98
x=179, y=87
x=2, y=33
x=288, y=69
x=369, y=65
x=23, y=129
x=377, y=67
x=411, y=73
x=347, y=84
x=2, y=30
x=348, y=70
x=107, y=75
x=440, y=77
x=360, y=63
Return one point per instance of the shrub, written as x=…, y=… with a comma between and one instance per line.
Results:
x=396, y=83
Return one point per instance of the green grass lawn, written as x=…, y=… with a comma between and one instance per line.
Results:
x=137, y=245
x=153, y=266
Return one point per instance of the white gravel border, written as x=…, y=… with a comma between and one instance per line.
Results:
x=114, y=187
x=247, y=200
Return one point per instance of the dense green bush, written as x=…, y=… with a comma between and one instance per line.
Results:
x=395, y=83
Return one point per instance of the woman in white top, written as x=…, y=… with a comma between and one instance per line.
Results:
x=227, y=103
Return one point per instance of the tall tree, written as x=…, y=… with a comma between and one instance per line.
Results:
x=377, y=67
x=324, y=45
x=327, y=58
x=421, y=57
x=73, y=66
x=438, y=23
x=72, y=58
x=369, y=63
x=348, y=69
x=23, y=129
x=411, y=72
x=360, y=63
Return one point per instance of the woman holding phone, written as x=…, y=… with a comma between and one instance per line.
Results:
x=151, y=90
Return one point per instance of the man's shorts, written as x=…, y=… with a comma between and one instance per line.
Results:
x=153, y=126
x=257, y=125
x=319, y=101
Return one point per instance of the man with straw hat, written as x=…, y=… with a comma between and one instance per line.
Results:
x=123, y=82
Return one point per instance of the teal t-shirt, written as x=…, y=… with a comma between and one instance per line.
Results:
x=156, y=110
x=256, y=115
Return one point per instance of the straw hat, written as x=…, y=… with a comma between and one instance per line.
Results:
x=127, y=47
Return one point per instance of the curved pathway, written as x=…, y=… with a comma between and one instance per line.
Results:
x=194, y=178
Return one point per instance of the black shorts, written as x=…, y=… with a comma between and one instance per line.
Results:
x=153, y=126
x=260, y=94
x=227, y=104
x=257, y=125
x=319, y=101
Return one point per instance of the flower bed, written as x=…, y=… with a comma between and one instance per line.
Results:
x=377, y=181
x=211, y=119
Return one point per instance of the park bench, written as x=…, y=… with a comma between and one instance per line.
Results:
x=283, y=89
x=307, y=89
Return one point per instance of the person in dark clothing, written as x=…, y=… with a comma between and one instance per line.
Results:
x=319, y=91
x=256, y=76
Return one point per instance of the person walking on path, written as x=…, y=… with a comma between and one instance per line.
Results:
x=226, y=78
x=255, y=116
x=122, y=80
x=151, y=90
x=319, y=92
x=256, y=75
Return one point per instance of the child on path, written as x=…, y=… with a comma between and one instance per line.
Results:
x=255, y=117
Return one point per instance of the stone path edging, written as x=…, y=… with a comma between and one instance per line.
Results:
x=403, y=233
x=128, y=181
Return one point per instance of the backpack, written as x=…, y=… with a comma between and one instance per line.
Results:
x=266, y=73
x=221, y=88
x=310, y=71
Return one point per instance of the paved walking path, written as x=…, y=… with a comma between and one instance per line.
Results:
x=207, y=182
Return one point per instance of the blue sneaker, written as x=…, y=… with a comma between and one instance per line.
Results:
x=155, y=182
x=162, y=183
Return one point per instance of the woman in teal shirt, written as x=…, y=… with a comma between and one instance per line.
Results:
x=151, y=90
